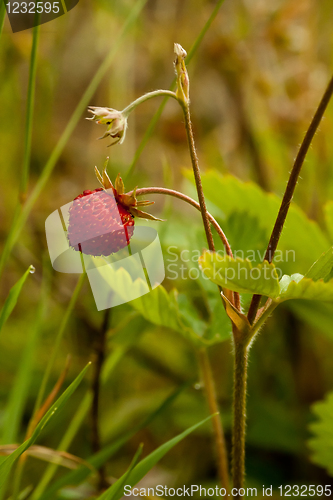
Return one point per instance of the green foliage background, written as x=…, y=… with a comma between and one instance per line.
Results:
x=256, y=80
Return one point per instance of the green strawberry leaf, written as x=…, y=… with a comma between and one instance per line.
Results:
x=286, y=280
x=240, y=275
x=300, y=237
x=158, y=306
x=322, y=268
x=321, y=445
x=305, y=288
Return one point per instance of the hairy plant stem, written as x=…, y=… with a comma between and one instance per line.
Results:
x=190, y=201
x=156, y=93
x=99, y=348
x=239, y=414
x=289, y=192
x=217, y=423
x=197, y=176
x=209, y=386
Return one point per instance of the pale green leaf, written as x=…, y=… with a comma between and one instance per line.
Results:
x=306, y=289
x=240, y=275
x=301, y=237
x=286, y=280
x=157, y=306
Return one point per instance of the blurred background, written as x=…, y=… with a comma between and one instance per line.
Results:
x=255, y=81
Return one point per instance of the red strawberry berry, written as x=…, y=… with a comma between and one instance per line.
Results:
x=98, y=224
x=101, y=222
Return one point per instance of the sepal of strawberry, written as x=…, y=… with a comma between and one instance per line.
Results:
x=128, y=201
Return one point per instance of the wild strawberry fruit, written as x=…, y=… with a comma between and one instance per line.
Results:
x=101, y=222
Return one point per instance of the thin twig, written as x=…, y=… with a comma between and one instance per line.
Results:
x=289, y=192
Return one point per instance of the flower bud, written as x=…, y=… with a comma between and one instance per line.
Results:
x=115, y=120
x=183, y=83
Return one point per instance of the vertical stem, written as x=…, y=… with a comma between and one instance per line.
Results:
x=291, y=185
x=209, y=385
x=100, y=345
x=197, y=177
x=239, y=415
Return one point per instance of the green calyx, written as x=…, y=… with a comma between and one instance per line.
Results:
x=128, y=201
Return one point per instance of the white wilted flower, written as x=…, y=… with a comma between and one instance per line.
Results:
x=115, y=120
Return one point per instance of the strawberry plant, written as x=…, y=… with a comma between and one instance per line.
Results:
x=160, y=388
x=261, y=280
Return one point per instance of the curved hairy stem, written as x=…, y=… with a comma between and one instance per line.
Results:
x=190, y=201
x=145, y=97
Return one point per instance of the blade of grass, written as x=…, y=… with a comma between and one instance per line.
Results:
x=159, y=111
x=19, y=392
x=12, y=298
x=76, y=477
x=29, y=113
x=113, y=491
x=7, y=464
x=33, y=423
x=66, y=441
x=19, y=222
x=57, y=342
x=76, y=422
x=148, y=463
